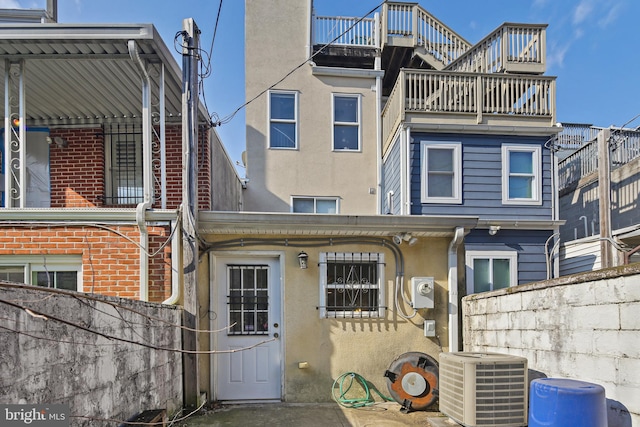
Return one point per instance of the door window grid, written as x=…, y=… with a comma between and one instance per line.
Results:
x=125, y=181
x=248, y=299
x=351, y=285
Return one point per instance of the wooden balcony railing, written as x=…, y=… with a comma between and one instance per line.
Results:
x=411, y=22
x=578, y=165
x=473, y=98
x=515, y=48
x=575, y=135
x=343, y=31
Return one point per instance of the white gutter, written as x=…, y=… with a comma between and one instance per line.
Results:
x=453, y=289
x=146, y=171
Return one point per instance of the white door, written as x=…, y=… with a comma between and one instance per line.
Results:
x=247, y=300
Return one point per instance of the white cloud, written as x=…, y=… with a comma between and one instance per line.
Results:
x=556, y=55
x=610, y=16
x=9, y=4
x=582, y=11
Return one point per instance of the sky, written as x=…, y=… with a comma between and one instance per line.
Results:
x=591, y=46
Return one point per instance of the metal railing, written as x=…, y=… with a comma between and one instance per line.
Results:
x=511, y=47
x=575, y=135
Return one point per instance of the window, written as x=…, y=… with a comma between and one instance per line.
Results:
x=124, y=184
x=322, y=205
x=248, y=299
x=283, y=117
x=441, y=172
x=60, y=272
x=346, y=122
x=351, y=284
x=488, y=271
x=521, y=174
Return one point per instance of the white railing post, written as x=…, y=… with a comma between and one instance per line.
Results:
x=479, y=98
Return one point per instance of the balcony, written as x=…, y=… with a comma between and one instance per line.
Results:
x=441, y=98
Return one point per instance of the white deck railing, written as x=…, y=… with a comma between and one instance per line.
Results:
x=575, y=135
x=578, y=165
x=511, y=47
x=344, y=31
x=412, y=21
x=422, y=91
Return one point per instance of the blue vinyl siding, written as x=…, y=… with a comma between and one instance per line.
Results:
x=391, y=173
x=481, y=178
x=529, y=244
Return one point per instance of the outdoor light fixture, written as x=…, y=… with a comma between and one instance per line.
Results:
x=493, y=229
x=302, y=259
x=405, y=237
x=60, y=142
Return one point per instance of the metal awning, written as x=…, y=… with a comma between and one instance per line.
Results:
x=79, y=74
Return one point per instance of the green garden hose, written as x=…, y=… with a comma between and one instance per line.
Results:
x=344, y=383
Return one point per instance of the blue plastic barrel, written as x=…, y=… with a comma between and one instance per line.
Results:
x=557, y=402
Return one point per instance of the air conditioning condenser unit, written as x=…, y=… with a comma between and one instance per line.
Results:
x=484, y=389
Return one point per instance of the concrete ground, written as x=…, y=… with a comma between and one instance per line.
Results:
x=385, y=414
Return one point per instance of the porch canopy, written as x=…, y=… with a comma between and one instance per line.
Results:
x=86, y=74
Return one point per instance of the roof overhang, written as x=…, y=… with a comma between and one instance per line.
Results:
x=215, y=223
x=83, y=74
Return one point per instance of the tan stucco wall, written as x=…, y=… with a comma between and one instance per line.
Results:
x=276, y=35
x=336, y=346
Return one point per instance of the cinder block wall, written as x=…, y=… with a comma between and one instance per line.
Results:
x=75, y=363
x=584, y=327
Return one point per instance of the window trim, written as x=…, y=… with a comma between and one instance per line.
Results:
x=315, y=203
x=470, y=256
x=536, y=150
x=39, y=263
x=457, y=172
x=357, y=124
x=295, y=120
x=325, y=257
x=111, y=138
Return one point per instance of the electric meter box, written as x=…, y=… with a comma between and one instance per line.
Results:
x=422, y=292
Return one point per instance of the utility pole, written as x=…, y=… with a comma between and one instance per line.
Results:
x=190, y=319
x=604, y=191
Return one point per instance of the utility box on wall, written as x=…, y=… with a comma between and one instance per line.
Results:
x=422, y=292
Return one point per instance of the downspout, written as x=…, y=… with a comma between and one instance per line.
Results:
x=146, y=171
x=175, y=267
x=406, y=173
x=453, y=289
x=379, y=133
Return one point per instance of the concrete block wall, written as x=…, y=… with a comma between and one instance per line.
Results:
x=585, y=327
x=69, y=359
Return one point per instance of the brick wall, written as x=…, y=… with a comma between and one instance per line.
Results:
x=110, y=257
x=585, y=326
x=100, y=378
x=78, y=170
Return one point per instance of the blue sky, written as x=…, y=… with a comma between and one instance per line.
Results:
x=591, y=45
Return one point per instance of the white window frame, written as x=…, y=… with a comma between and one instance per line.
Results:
x=335, y=123
x=470, y=256
x=536, y=198
x=325, y=257
x=40, y=263
x=456, y=198
x=315, y=203
x=271, y=120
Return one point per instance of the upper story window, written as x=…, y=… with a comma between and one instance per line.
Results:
x=441, y=172
x=283, y=119
x=124, y=183
x=321, y=205
x=491, y=270
x=521, y=174
x=351, y=284
x=346, y=122
x=59, y=272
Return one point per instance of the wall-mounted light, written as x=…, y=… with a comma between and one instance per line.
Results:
x=302, y=259
x=493, y=229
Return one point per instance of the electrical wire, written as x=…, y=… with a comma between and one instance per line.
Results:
x=230, y=117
